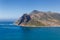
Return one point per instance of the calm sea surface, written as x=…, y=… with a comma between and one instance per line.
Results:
x=8, y=31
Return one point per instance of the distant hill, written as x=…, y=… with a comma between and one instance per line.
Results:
x=39, y=18
x=7, y=20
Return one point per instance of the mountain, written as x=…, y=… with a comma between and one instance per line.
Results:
x=39, y=18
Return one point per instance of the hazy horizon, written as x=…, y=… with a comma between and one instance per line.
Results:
x=13, y=9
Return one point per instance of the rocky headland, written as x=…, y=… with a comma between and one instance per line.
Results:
x=39, y=18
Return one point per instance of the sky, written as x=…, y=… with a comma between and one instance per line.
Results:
x=13, y=9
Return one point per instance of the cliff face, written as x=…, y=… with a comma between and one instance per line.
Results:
x=38, y=18
x=24, y=19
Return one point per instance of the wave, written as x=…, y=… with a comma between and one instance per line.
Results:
x=10, y=27
x=6, y=24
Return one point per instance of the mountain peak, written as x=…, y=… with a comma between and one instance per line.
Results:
x=35, y=11
x=38, y=18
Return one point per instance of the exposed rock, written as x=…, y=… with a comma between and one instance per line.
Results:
x=24, y=19
x=38, y=18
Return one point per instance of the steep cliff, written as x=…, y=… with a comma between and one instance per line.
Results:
x=39, y=18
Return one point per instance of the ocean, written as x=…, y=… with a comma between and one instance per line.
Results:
x=9, y=31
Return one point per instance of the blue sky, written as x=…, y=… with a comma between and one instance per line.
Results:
x=11, y=9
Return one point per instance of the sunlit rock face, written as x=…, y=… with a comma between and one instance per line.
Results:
x=39, y=18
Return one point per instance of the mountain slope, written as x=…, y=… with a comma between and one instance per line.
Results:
x=39, y=18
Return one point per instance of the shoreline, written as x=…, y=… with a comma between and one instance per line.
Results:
x=35, y=26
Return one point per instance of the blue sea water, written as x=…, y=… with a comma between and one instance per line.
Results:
x=8, y=31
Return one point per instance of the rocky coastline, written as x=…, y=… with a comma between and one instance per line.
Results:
x=39, y=18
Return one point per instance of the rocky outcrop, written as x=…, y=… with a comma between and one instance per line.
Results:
x=24, y=19
x=39, y=18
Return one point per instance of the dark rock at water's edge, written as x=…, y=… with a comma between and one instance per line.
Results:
x=24, y=19
x=39, y=18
